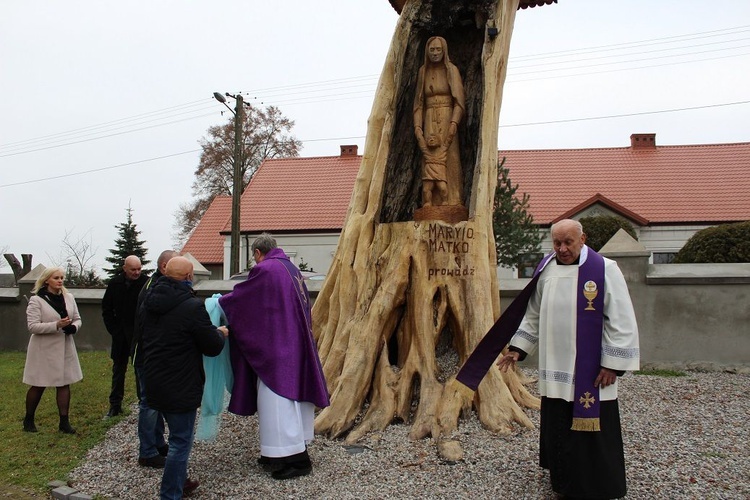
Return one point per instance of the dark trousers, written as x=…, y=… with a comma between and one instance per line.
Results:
x=120, y=360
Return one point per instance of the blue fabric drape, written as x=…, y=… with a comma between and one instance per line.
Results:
x=219, y=380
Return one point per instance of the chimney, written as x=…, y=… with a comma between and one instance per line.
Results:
x=349, y=150
x=643, y=141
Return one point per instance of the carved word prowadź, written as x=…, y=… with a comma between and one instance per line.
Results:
x=456, y=241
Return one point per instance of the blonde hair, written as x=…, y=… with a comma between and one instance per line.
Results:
x=47, y=274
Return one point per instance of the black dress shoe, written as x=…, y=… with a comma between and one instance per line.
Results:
x=271, y=464
x=163, y=450
x=189, y=487
x=291, y=471
x=65, y=428
x=113, y=411
x=156, y=462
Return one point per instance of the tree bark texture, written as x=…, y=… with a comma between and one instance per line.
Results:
x=406, y=302
x=19, y=271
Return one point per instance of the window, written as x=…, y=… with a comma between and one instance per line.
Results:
x=664, y=257
x=527, y=263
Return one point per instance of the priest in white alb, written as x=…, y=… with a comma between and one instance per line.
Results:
x=578, y=315
x=583, y=325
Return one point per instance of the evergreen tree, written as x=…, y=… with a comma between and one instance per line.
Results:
x=127, y=244
x=513, y=225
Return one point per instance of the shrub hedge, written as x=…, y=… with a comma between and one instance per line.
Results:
x=600, y=228
x=725, y=243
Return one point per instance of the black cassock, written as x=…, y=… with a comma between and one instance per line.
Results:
x=582, y=464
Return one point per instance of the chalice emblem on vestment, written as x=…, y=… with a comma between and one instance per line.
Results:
x=590, y=292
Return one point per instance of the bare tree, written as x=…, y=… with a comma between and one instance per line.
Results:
x=76, y=256
x=265, y=135
x=19, y=270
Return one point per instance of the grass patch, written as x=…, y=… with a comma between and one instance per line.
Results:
x=661, y=373
x=28, y=461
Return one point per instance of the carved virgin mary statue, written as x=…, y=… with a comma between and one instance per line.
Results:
x=438, y=108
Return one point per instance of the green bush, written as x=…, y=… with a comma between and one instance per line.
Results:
x=600, y=228
x=725, y=243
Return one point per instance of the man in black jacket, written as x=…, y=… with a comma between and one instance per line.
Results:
x=118, y=311
x=152, y=448
x=176, y=333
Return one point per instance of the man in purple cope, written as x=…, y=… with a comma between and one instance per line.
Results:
x=275, y=361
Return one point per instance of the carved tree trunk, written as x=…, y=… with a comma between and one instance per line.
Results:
x=405, y=302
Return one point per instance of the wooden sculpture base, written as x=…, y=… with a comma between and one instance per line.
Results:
x=451, y=214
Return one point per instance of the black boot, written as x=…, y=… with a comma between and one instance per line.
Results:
x=65, y=425
x=28, y=424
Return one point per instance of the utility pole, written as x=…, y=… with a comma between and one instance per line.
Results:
x=234, y=252
x=234, y=245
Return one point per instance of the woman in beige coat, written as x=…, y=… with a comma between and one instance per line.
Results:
x=51, y=358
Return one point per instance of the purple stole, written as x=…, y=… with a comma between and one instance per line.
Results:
x=589, y=327
x=590, y=321
x=497, y=337
x=302, y=294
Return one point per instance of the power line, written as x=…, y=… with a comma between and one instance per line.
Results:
x=641, y=52
x=568, y=120
x=73, y=174
x=180, y=106
x=639, y=43
x=103, y=136
x=549, y=122
x=630, y=61
x=626, y=69
x=318, y=92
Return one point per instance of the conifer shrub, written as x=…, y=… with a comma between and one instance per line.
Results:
x=725, y=243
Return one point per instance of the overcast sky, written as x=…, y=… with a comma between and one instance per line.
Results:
x=103, y=103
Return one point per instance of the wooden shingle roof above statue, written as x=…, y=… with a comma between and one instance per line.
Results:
x=398, y=5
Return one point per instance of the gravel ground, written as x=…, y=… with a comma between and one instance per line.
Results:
x=685, y=437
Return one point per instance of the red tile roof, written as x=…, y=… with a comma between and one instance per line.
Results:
x=650, y=185
x=662, y=184
x=206, y=244
x=299, y=194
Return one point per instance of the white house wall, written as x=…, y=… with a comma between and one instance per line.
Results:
x=667, y=238
x=317, y=249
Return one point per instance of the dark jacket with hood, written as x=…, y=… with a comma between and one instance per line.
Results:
x=135, y=350
x=176, y=332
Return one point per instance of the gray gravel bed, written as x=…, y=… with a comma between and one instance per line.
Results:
x=685, y=437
